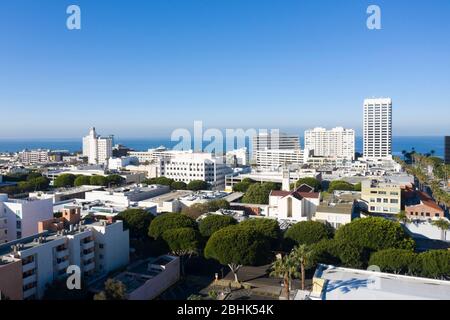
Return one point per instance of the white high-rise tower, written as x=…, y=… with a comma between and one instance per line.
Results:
x=378, y=129
x=97, y=149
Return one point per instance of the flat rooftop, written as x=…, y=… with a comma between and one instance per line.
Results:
x=169, y=196
x=353, y=284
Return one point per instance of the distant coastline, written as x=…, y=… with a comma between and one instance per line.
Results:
x=422, y=144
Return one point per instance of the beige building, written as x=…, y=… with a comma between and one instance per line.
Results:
x=381, y=196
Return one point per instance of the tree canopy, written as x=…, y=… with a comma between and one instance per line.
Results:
x=197, y=209
x=160, y=180
x=137, y=220
x=182, y=241
x=98, y=181
x=178, y=185
x=169, y=221
x=394, y=260
x=375, y=234
x=114, y=290
x=235, y=247
x=341, y=186
x=267, y=227
x=308, y=232
x=82, y=181
x=258, y=193
x=65, y=180
x=213, y=223
x=197, y=185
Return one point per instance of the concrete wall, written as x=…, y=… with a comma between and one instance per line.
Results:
x=11, y=280
x=427, y=231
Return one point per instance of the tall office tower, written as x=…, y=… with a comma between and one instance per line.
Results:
x=447, y=150
x=336, y=143
x=378, y=129
x=97, y=149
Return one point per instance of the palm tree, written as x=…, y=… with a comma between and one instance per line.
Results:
x=301, y=254
x=403, y=217
x=442, y=224
x=285, y=268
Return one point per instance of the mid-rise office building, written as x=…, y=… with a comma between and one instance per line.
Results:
x=272, y=160
x=96, y=148
x=447, y=150
x=334, y=143
x=382, y=197
x=378, y=129
x=274, y=141
x=28, y=265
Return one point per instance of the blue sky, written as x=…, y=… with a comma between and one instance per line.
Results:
x=142, y=68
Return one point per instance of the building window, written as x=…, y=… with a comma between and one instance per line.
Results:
x=289, y=207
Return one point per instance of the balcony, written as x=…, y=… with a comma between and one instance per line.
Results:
x=89, y=267
x=89, y=256
x=63, y=265
x=30, y=279
x=29, y=266
x=28, y=293
x=62, y=253
x=87, y=245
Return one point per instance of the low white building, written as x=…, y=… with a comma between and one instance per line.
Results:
x=148, y=279
x=238, y=157
x=337, y=142
x=121, y=163
x=125, y=196
x=34, y=156
x=298, y=205
x=22, y=216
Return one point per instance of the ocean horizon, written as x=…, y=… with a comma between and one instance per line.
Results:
x=422, y=144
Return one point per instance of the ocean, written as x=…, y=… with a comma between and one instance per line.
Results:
x=422, y=144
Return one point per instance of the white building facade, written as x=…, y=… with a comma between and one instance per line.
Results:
x=378, y=129
x=335, y=143
x=97, y=149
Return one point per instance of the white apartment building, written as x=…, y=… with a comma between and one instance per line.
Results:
x=378, y=129
x=21, y=217
x=34, y=156
x=28, y=265
x=97, y=149
x=335, y=143
x=120, y=163
x=190, y=166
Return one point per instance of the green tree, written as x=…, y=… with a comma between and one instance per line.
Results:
x=312, y=182
x=65, y=180
x=213, y=223
x=160, y=180
x=214, y=205
x=375, y=234
x=285, y=268
x=324, y=252
x=236, y=247
x=267, y=227
x=183, y=242
x=197, y=209
x=114, y=180
x=82, y=181
x=302, y=255
x=394, y=260
x=114, y=290
x=178, y=185
x=307, y=232
x=435, y=264
x=98, y=181
x=137, y=221
x=351, y=255
x=357, y=187
x=243, y=185
x=168, y=221
x=197, y=185
x=340, y=185
x=258, y=193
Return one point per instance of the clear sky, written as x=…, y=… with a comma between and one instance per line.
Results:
x=142, y=68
